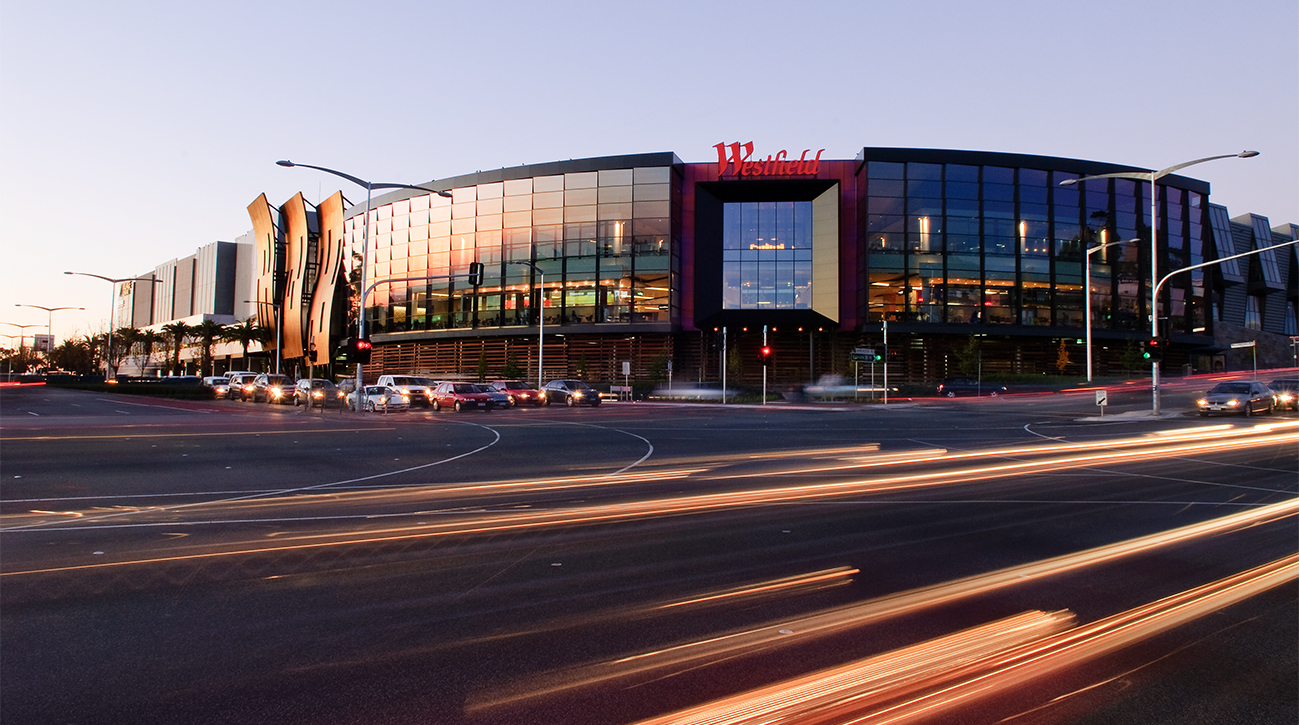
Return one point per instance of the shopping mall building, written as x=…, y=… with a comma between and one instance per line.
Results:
x=649, y=260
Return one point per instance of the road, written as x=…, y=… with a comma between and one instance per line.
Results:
x=1016, y=559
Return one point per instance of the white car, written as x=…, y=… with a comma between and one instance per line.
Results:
x=380, y=398
x=418, y=389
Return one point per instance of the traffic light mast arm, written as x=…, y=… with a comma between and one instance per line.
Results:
x=1220, y=261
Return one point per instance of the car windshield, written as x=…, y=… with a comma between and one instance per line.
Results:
x=466, y=388
x=1231, y=388
x=514, y=386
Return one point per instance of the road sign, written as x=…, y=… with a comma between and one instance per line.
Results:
x=1101, y=398
x=1243, y=344
x=864, y=354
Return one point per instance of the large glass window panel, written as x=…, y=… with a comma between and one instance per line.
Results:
x=518, y=187
x=886, y=187
x=516, y=203
x=581, y=180
x=885, y=170
x=651, y=192
x=652, y=175
x=490, y=206
x=615, y=177
x=651, y=209
x=650, y=295
x=491, y=191
x=548, y=200
x=615, y=194
x=547, y=183
x=579, y=214
x=887, y=291
x=580, y=197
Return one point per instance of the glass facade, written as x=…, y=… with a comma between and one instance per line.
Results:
x=767, y=255
x=998, y=245
x=591, y=247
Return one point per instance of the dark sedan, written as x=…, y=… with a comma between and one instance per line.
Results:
x=1287, y=392
x=571, y=393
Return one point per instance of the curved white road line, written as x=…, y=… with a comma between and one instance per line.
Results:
x=276, y=492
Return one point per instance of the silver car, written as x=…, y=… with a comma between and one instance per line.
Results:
x=1241, y=397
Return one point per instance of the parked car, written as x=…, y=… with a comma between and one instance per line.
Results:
x=272, y=388
x=520, y=392
x=570, y=393
x=241, y=385
x=219, y=385
x=1287, y=392
x=952, y=387
x=418, y=389
x=380, y=398
x=499, y=398
x=461, y=397
x=317, y=392
x=1243, y=397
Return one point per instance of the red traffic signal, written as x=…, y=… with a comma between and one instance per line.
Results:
x=361, y=350
x=1154, y=350
x=764, y=354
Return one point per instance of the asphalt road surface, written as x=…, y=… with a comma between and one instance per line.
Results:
x=1019, y=559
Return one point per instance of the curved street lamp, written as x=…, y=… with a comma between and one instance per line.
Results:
x=1152, y=177
x=112, y=299
x=49, y=323
x=370, y=186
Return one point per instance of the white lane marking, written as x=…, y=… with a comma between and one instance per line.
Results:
x=35, y=414
x=276, y=492
x=642, y=459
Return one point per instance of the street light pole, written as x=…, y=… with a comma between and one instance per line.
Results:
x=541, y=319
x=279, y=326
x=365, y=243
x=1087, y=296
x=1152, y=177
x=112, y=304
x=49, y=323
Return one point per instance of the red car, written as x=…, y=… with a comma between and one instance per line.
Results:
x=520, y=392
x=460, y=396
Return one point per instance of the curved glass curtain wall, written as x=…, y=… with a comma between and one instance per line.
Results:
x=953, y=243
x=601, y=238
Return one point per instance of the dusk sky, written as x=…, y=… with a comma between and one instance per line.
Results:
x=133, y=133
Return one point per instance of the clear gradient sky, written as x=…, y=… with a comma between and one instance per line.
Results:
x=135, y=132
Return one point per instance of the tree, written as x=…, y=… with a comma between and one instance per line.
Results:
x=179, y=332
x=75, y=356
x=1062, y=358
x=967, y=358
x=482, y=365
x=124, y=342
x=206, y=334
x=511, y=370
x=246, y=333
x=1131, y=358
x=657, y=371
x=581, y=368
x=149, y=339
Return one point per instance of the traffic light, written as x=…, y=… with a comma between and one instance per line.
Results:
x=361, y=350
x=764, y=354
x=1154, y=350
x=476, y=274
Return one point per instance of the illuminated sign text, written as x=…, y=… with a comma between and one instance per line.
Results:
x=737, y=159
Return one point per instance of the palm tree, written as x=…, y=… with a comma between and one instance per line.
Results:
x=207, y=333
x=246, y=333
x=123, y=341
x=179, y=332
x=148, y=340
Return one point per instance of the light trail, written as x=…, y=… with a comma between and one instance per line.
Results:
x=927, y=680
x=789, y=632
x=531, y=520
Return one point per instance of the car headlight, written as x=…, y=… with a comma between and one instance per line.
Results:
x=1202, y=402
x=317, y=394
x=1285, y=397
x=1233, y=402
x=577, y=394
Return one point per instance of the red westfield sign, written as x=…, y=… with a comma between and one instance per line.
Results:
x=737, y=159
